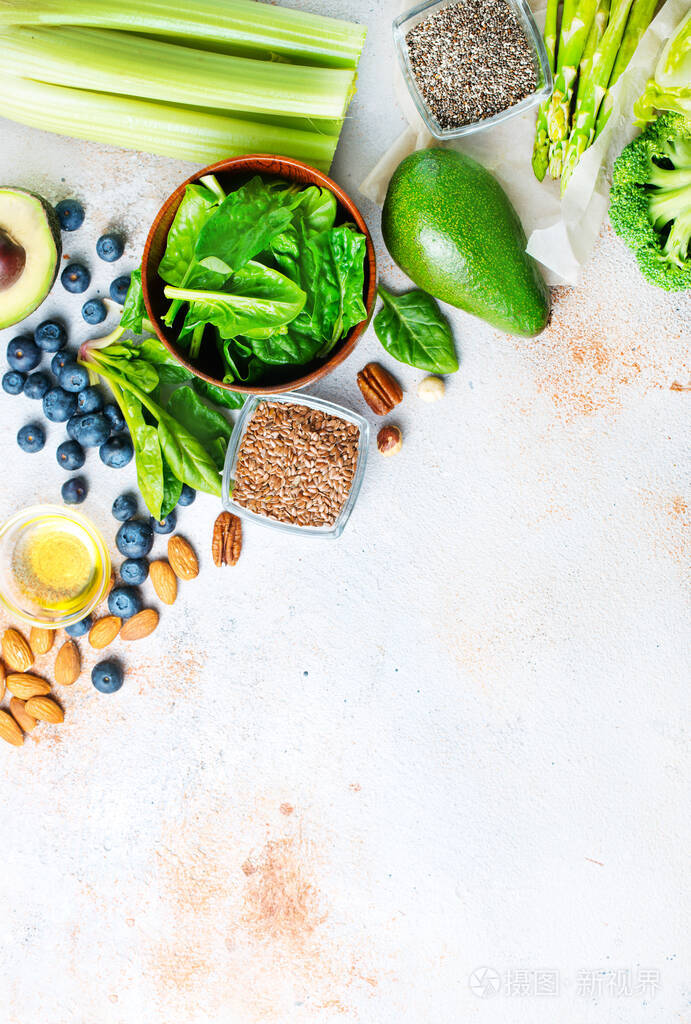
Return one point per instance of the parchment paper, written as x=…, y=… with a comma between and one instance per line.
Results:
x=561, y=230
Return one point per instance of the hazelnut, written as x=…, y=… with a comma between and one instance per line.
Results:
x=389, y=441
x=431, y=389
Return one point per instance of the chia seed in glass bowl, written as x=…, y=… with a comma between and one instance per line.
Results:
x=469, y=64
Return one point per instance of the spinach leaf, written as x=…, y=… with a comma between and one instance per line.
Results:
x=243, y=225
x=412, y=329
x=172, y=489
x=333, y=263
x=187, y=457
x=170, y=371
x=195, y=209
x=289, y=346
x=219, y=396
x=207, y=425
x=256, y=297
x=134, y=310
x=137, y=371
x=147, y=451
x=318, y=208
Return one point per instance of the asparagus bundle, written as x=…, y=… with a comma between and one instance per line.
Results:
x=588, y=54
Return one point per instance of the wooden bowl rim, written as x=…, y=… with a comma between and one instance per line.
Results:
x=266, y=163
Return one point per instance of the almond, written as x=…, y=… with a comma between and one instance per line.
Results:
x=41, y=640
x=45, y=710
x=22, y=685
x=164, y=581
x=16, y=651
x=68, y=664
x=182, y=558
x=9, y=730
x=2, y=680
x=26, y=722
x=140, y=625
x=104, y=631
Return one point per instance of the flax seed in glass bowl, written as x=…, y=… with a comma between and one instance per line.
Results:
x=471, y=64
x=295, y=463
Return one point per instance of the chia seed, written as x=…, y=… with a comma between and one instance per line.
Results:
x=470, y=61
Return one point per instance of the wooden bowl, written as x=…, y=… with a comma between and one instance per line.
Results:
x=233, y=173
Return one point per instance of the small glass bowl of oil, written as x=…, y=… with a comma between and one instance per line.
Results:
x=54, y=566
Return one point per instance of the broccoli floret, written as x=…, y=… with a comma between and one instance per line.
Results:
x=651, y=201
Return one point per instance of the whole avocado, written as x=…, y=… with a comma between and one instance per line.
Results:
x=450, y=227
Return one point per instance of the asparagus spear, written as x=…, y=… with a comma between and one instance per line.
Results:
x=594, y=89
x=573, y=38
x=640, y=17
x=541, y=146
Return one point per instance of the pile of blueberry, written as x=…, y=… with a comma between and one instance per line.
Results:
x=67, y=397
x=76, y=278
x=134, y=541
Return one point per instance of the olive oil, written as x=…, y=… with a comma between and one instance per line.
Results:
x=55, y=564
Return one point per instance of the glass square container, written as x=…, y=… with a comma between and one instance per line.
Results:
x=403, y=24
x=295, y=398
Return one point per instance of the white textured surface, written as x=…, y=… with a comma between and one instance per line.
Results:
x=342, y=776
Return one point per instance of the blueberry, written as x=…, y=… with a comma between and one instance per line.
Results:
x=187, y=496
x=124, y=507
x=124, y=602
x=166, y=525
x=59, y=360
x=70, y=214
x=135, y=539
x=59, y=405
x=110, y=247
x=117, y=451
x=90, y=399
x=72, y=425
x=70, y=455
x=119, y=288
x=91, y=429
x=23, y=354
x=13, y=382
x=50, y=336
x=75, y=278
x=80, y=628
x=134, y=571
x=107, y=676
x=117, y=420
x=74, y=377
x=37, y=384
x=74, y=490
x=94, y=311
x=31, y=438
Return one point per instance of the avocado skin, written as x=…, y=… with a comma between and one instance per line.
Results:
x=38, y=291
x=449, y=225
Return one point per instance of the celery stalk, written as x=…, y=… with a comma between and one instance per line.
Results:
x=122, y=63
x=255, y=29
x=179, y=132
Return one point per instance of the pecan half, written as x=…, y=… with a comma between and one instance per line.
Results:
x=380, y=390
x=226, y=543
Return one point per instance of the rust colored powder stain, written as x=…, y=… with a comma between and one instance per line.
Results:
x=603, y=347
x=281, y=903
x=286, y=809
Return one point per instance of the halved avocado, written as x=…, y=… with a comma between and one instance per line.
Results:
x=30, y=250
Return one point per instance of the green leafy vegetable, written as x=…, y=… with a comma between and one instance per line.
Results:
x=413, y=330
x=256, y=298
x=195, y=209
x=333, y=262
x=134, y=310
x=219, y=396
x=207, y=425
x=670, y=86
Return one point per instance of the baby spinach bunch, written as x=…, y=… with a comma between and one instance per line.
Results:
x=177, y=437
x=261, y=278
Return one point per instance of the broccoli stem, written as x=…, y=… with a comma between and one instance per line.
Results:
x=572, y=41
x=640, y=17
x=594, y=89
x=677, y=245
x=541, y=145
x=666, y=205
